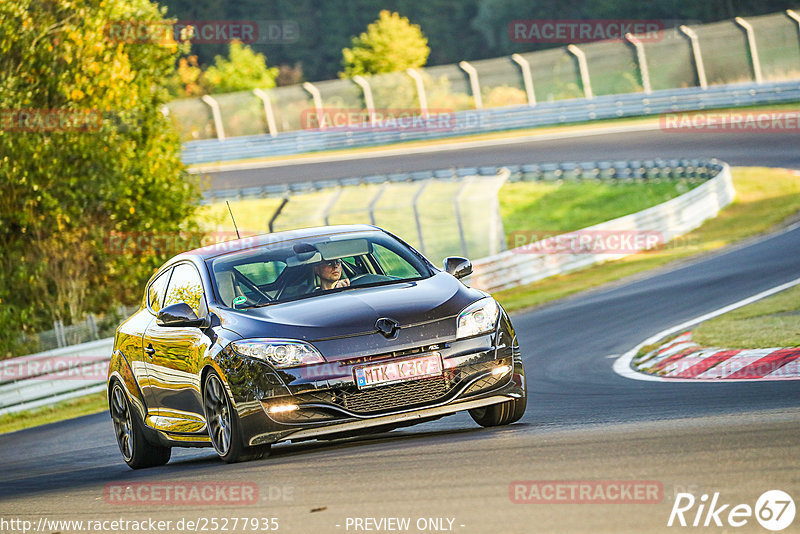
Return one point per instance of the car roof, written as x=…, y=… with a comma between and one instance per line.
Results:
x=251, y=242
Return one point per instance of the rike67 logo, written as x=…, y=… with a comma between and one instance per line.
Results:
x=774, y=510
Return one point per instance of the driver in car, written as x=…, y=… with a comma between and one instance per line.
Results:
x=330, y=275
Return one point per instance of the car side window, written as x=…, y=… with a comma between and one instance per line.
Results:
x=185, y=286
x=156, y=291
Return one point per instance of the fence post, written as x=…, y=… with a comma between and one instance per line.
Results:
x=278, y=211
x=326, y=211
x=61, y=339
x=497, y=241
x=457, y=209
x=698, y=57
x=641, y=59
x=374, y=202
x=423, y=99
x=474, y=83
x=217, y=116
x=415, y=206
x=315, y=94
x=90, y=320
x=527, y=79
x=751, y=43
x=271, y=126
x=584, y=70
x=367, y=90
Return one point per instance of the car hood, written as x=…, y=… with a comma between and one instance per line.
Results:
x=354, y=312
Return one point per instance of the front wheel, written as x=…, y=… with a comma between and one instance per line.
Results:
x=136, y=450
x=223, y=424
x=504, y=413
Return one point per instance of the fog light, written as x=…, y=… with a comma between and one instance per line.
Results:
x=501, y=370
x=283, y=408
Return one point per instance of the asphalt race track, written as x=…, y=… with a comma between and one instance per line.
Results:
x=768, y=149
x=583, y=421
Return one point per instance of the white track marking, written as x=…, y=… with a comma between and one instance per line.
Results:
x=622, y=366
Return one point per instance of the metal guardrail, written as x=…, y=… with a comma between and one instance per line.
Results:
x=578, y=170
x=53, y=376
x=497, y=119
x=666, y=221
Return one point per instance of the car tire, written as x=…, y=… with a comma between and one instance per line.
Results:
x=504, y=413
x=136, y=450
x=223, y=424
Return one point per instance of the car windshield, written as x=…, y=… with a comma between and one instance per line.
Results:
x=311, y=267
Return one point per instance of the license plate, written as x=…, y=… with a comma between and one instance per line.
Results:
x=399, y=371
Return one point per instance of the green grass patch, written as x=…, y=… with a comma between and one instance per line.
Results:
x=765, y=198
x=568, y=206
x=772, y=322
x=94, y=403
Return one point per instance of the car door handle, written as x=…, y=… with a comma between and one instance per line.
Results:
x=149, y=350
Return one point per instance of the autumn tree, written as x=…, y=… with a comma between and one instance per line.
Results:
x=390, y=44
x=85, y=154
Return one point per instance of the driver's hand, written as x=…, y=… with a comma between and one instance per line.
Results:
x=344, y=282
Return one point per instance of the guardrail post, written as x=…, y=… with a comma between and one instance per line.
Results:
x=315, y=94
x=527, y=79
x=217, y=116
x=271, y=126
x=751, y=43
x=792, y=14
x=583, y=67
x=271, y=223
x=474, y=83
x=641, y=60
x=415, y=206
x=374, y=202
x=698, y=57
x=367, y=90
x=423, y=99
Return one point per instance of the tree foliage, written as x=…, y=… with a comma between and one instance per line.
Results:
x=69, y=187
x=243, y=69
x=390, y=44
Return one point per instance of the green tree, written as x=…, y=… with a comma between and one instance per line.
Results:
x=85, y=154
x=390, y=44
x=242, y=70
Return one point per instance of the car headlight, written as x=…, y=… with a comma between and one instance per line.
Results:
x=477, y=318
x=279, y=352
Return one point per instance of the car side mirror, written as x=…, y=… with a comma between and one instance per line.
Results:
x=179, y=314
x=458, y=266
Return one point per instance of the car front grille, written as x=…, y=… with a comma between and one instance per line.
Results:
x=395, y=395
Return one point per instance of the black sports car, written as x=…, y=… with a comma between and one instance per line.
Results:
x=317, y=333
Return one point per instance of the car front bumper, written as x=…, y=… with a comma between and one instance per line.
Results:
x=477, y=372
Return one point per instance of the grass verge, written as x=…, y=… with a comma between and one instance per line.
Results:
x=765, y=198
x=94, y=403
x=772, y=322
